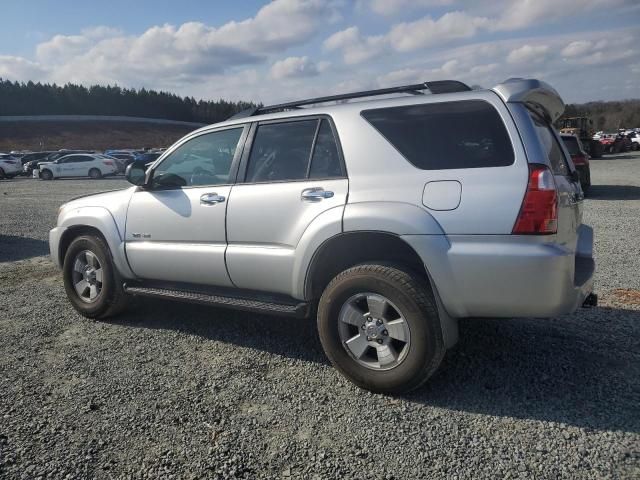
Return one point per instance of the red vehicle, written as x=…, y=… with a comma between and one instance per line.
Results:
x=580, y=159
x=615, y=143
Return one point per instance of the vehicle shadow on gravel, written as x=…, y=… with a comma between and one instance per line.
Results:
x=614, y=192
x=14, y=248
x=288, y=337
x=579, y=370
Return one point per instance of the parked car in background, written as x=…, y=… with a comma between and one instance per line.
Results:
x=30, y=161
x=634, y=138
x=147, y=157
x=61, y=153
x=389, y=217
x=580, y=159
x=78, y=165
x=124, y=158
x=9, y=166
x=615, y=142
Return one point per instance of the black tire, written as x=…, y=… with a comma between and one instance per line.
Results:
x=46, y=175
x=112, y=299
x=413, y=298
x=2, y=174
x=95, y=173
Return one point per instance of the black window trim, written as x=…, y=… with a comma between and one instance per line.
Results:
x=244, y=163
x=558, y=138
x=233, y=170
x=504, y=124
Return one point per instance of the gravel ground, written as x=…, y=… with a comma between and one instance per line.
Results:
x=176, y=391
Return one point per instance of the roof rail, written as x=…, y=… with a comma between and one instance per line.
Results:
x=439, y=86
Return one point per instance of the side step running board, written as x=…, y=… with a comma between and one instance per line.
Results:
x=298, y=310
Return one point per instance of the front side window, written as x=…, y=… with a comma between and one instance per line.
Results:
x=203, y=160
x=446, y=135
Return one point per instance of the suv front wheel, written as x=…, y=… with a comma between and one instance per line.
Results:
x=380, y=328
x=90, y=279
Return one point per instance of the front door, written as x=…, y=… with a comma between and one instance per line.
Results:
x=292, y=175
x=69, y=165
x=175, y=227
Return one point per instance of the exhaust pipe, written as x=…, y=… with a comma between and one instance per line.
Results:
x=590, y=301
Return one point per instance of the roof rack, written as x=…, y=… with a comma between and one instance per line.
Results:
x=439, y=86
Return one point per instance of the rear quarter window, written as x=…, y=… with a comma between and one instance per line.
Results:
x=550, y=146
x=446, y=135
x=572, y=145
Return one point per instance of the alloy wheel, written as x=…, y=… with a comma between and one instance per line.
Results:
x=87, y=276
x=373, y=331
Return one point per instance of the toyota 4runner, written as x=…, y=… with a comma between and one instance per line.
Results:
x=388, y=217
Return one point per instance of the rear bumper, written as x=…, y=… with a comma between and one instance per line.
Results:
x=507, y=275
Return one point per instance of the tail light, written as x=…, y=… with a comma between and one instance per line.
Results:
x=539, y=212
x=108, y=162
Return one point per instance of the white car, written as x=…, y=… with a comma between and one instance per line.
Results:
x=9, y=166
x=78, y=165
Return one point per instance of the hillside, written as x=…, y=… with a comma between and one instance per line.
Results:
x=50, y=99
x=99, y=135
x=608, y=116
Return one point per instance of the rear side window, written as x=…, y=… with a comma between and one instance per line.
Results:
x=325, y=162
x=294, y=150
x=447, y=135
x=550, y=146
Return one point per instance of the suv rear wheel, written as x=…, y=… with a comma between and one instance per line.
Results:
x=380, y=328
x=95, y=173
x=91, y=280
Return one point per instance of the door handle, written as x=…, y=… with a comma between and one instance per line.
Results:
x=211, y=199
x=315, y=194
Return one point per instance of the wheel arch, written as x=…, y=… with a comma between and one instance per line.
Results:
x=348, y=249
x=95, y=221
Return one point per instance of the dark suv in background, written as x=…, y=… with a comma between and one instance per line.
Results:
x=580, y=159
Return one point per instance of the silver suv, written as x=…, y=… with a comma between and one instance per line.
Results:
x=387, y=218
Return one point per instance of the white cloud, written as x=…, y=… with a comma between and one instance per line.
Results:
x=20, y=69
x=404, y=37
x=528, y=54
x=525, y=13
x=428, y=32
x=294, y=67
x=169, y=55
x=391, y=7
x=355, y=47
x=577, y=48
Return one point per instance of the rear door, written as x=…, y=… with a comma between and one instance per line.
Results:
x=292, y=172
x=569, y=191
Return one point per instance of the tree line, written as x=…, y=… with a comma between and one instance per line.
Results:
x=608, y=116
x=19, y=98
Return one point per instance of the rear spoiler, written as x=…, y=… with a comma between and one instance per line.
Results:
x=535, y=94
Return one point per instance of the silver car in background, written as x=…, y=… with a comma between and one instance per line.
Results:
x=386, y=218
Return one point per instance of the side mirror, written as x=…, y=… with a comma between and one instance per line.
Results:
x=135, y=174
